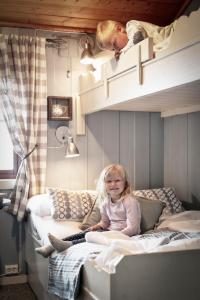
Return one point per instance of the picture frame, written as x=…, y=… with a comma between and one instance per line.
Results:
x=59, y=108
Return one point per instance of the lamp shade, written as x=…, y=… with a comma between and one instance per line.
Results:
x=71, y=149
x=87, y=55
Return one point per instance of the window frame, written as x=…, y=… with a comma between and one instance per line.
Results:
x=11, y=174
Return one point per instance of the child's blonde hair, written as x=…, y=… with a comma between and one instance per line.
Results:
x=104, y=31
x=108, y=171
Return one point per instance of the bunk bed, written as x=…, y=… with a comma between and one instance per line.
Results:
x=167, y=81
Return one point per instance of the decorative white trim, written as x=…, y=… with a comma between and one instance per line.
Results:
x=80, y=118
x=6, y=184
x=139, y=65
x=180, y=111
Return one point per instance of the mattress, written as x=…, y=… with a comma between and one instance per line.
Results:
x=41, y=226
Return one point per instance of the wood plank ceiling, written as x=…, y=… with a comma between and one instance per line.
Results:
x=83, y=15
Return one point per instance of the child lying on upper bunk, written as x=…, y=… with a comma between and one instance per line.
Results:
x=114, y=36
x=119, y=210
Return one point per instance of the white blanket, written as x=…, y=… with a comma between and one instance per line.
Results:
x=119, y=245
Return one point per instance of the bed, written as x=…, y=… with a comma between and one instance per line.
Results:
x=166, y=82
x=166, y=268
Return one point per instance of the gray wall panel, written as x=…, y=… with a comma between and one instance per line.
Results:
x=126, y=143
x=194, y=157
x=141, y=150
x=103, y=143
x=182, y=155
x=111, y=140
x=94, y=157
x=156, y=152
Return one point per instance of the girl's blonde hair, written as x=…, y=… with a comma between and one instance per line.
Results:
x=104, y=31
x=109, y=171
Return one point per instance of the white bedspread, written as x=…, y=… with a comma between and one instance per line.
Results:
x=120, y=245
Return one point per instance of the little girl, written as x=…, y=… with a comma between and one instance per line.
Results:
x=113, y=35
x=119, y=210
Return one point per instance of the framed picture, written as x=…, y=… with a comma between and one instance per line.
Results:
x=59, y=108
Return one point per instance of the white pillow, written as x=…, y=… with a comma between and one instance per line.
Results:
x=40, y=205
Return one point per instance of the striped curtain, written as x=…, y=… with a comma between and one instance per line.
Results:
x=23, y=97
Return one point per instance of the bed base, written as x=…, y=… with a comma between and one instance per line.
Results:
x=37, y=270
x=158, y=276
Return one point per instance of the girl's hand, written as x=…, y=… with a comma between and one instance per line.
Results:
x=117, y=55
x=94, y=227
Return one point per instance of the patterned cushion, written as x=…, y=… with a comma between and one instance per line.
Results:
x=71, y=205
x=166, y=195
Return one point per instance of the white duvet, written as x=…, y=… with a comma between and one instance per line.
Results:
x=119, y=245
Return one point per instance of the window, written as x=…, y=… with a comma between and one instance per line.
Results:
x=8, y=159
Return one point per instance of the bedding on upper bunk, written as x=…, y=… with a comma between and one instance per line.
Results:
x=161, y=35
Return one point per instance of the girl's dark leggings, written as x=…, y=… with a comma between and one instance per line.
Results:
x=79, y=237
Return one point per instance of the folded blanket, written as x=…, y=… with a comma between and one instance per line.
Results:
x=64, y=269
x=187, y=221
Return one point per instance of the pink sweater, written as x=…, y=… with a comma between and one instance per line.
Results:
x=124, y=215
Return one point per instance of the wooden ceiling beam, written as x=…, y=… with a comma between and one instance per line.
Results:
x=13, y=13
x=181, y=10
x=85, y=14
x=47, y=27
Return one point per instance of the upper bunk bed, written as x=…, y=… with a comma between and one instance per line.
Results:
x=166, y=82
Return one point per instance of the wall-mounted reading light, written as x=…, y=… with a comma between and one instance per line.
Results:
x=87, y=44
x=65, y=138
x=71, y=149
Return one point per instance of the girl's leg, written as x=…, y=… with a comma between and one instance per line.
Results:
x=45, y=251
x=61, y=245
x=76, y=236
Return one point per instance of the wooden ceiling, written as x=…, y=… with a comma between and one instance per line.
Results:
x=83, y=15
